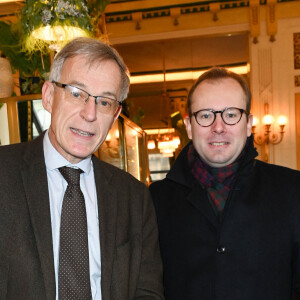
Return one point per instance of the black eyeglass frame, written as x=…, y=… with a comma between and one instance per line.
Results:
x=64, y=85
x=215, y=112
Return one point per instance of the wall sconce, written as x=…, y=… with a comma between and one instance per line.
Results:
x=268, y=137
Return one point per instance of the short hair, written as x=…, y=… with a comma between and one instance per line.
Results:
x=218, y=73
x=93, y=50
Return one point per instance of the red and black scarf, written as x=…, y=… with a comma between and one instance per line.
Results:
x=216, y=181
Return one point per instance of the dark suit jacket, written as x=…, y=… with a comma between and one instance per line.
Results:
x=130, y=258
x=254, y=254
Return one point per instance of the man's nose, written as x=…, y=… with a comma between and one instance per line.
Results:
x=89, y=110
x=218, y=126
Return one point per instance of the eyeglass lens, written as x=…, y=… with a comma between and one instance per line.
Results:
x=230, y=116
x=103, y=105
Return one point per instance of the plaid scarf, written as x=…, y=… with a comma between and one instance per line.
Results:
x=216, y=181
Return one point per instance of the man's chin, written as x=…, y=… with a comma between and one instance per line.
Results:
x=219, y=162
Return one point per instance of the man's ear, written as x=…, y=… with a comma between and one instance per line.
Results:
x=47, y=96
x=117, y=113
x=249, y=124
x=187, y=123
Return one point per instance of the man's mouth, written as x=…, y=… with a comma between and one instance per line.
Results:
x=82, y=133
x=219, y=143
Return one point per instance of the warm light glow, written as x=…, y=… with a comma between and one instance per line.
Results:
x=117, y=134
x=255, y=121
x=282, y=120
x=268, y=119
x=167, y=154
x=151, y=144
x=165, y=145
x=148, y=180
x=108, y=137
x=6, y=1
x=176, y=140
x=176, y=76
x=269, y=136
x=58, y=33
x=159, y=131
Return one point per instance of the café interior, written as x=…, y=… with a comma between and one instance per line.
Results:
x=166, y=45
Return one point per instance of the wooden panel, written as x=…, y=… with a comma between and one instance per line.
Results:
x=12, y=115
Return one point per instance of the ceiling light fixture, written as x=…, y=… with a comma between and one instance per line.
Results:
x=54, y=22
x=178, y=76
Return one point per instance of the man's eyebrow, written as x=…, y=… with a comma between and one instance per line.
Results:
x=109, y=95
x=78, y=84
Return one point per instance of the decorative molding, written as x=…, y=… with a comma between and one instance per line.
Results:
x=254, y=20
x=212, y=6
x=175, y=14
x=271, y=19
x=297, y=51
x=158, y=12
x=297, y=81
x=265, y=76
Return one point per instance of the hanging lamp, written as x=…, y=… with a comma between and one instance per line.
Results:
x=46, y=23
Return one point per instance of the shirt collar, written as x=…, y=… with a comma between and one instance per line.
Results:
x=55, y=160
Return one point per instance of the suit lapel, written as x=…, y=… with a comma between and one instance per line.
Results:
x=36, y=189
x=107, y=211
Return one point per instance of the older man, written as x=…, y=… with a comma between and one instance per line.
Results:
x=229, y=224
x=71, y=226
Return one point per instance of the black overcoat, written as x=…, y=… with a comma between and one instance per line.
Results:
x=253, y=254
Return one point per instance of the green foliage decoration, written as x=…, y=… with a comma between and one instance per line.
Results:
x=37, y=14
x=31, y=56
x=11, y=46
x=96, y=8
x=28, y=64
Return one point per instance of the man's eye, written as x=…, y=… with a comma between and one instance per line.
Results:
x=104, y=102
x=205, y=116
x=75, y=94
x=230, y=115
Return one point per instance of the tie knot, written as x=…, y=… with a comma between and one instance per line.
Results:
x=71, y=175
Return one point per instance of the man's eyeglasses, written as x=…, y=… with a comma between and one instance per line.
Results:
x=79, y=96
x=230, y=116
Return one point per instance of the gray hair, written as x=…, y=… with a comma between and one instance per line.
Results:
x=218, y=73
x=93, y=50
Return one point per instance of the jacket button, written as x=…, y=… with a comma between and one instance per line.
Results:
x=221, y=249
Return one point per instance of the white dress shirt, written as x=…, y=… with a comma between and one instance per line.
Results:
x=57, y=187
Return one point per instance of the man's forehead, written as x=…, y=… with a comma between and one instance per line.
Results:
x=218, y=81
x=210, y=87
x=74, y=66
x=86, y=61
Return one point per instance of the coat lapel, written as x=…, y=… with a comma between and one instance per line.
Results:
x=181, y=173
x=107, y=207
x=36, y=189
x=199, y=200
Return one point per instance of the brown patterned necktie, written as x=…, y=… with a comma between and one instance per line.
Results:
x=73, y=275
